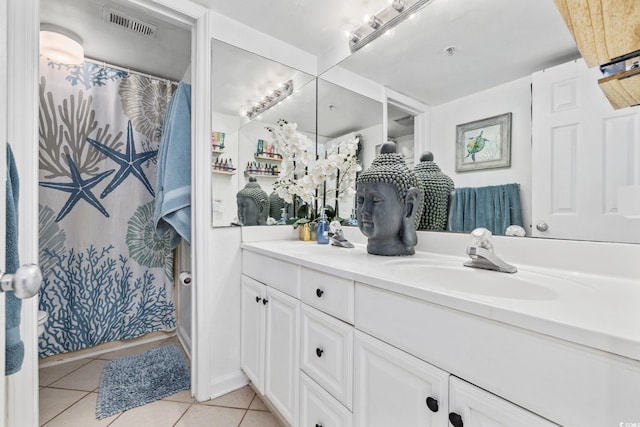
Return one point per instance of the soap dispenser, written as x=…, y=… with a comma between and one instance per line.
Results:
x=323, y=229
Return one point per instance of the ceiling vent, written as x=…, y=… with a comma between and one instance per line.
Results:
x=130, y=23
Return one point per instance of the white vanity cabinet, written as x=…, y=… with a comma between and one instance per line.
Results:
x=374, y=350
x=393, y=388
x=270, y=340
x=470, y=406
x=252, y=329
x=318, y=408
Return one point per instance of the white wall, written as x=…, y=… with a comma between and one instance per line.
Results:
x=225, y=187
x=218, y=259
x=513, y=97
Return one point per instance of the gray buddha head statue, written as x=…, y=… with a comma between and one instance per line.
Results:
x=436, y=188
x=253, y=204
x=388, y=202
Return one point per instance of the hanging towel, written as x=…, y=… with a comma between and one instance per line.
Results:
x=173, y=189
x=14, y=348
x=494, y=207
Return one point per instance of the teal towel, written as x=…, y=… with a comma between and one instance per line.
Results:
x=493, y=207
x=173, y=188
x=14, y=348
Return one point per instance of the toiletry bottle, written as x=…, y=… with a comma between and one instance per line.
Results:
x=323, y=229
x=352, y=219
x=259, y=150
x=283, y=216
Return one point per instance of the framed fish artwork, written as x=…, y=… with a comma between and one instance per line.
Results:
x=484, y=144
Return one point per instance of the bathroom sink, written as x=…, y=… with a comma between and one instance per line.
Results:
x=449, y=275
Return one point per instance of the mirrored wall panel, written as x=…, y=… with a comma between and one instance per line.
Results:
x=250, y=94
x=346, y=117
x=564, y=192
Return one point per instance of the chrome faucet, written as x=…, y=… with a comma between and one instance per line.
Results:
x=481, y=253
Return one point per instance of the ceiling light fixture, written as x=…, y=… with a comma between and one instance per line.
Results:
x=61, y=45
x=378, y=24
x=269, y=100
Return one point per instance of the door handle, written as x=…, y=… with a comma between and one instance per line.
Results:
x=542, y=226
x=24, y=283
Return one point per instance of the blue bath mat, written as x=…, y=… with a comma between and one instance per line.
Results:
x=138, y=379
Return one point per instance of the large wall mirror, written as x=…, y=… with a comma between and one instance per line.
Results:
x=241, y=150
x=458, y=85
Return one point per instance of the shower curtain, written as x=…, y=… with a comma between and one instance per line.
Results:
x=107, y=275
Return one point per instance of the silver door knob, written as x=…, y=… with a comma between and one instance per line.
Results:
x=542, y=226
x=24, y=283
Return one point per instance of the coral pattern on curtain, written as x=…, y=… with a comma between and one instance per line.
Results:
x=107, y=275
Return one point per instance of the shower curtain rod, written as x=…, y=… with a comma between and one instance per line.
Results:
x=130, y=71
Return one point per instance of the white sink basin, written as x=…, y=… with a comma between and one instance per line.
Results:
x=451, y=276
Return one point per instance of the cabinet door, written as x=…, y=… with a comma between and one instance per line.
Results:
x=282, y=361
x=471, y=406
x=252, y=331
x=393, y=388
x=326, y=353
x=318, y=408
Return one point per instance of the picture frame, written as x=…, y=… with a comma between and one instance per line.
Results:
x=217, y=142
x=484, y=144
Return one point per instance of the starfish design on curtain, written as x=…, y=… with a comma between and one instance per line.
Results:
x=130, y=162
x=79, y=189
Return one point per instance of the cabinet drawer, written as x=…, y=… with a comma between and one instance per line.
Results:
x=327, y=353
x=478, y=407
x=319, y=408
x=278, y=274
x=331, y=294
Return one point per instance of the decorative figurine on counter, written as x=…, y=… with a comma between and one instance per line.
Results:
x=437, y=188
x=388, y=203
x=253, y=204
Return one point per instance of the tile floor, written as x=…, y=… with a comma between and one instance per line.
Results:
x=68, y=394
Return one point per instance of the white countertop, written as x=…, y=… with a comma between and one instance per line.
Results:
x=592, y=310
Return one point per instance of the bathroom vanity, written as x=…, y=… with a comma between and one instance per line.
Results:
x=337, y=337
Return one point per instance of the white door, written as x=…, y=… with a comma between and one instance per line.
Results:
x=3, y=173
x=583, y=151
x=471, y=406
x=393, y=388
x=20, y=93
x=252, y=329
x=282, y=363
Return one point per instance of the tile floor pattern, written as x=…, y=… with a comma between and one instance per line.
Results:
x=68, y=394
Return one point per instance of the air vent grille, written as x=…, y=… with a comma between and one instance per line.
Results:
x=130, y=23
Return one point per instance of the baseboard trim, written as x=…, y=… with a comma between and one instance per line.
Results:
x=227, y=383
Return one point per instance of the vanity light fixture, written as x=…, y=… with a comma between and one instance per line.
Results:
x=61, y=45
x=378, y=24
x=269, y=100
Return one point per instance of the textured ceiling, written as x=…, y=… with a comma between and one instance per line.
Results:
x=496, y=40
